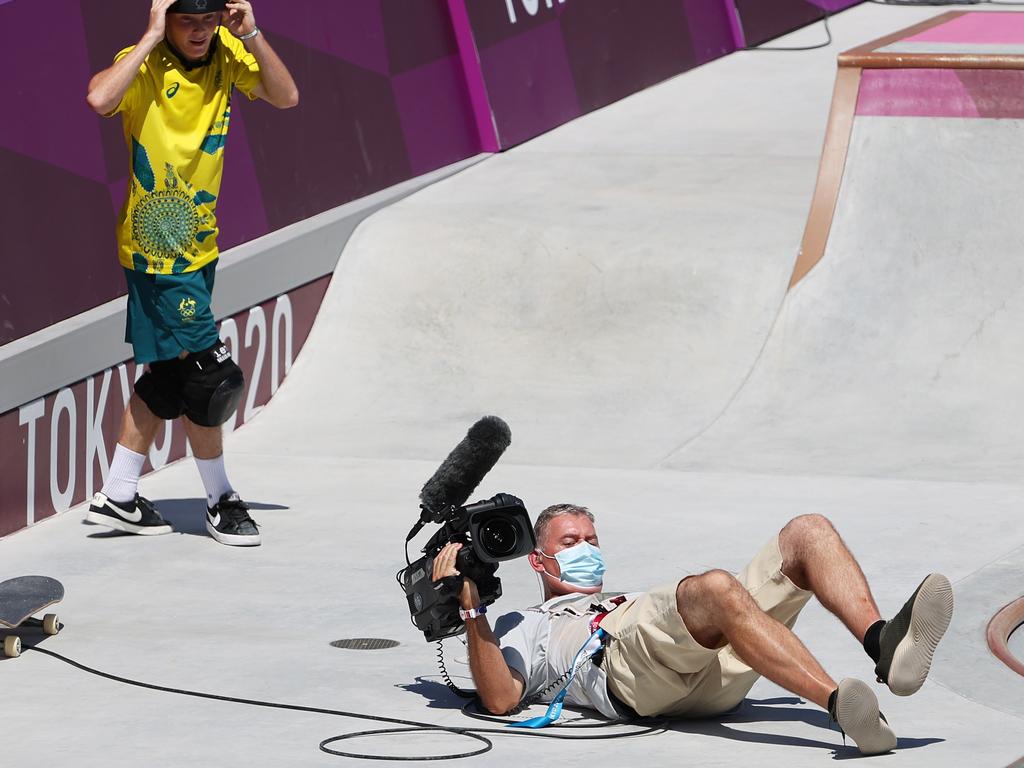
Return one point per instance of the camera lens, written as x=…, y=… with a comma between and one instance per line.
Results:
x=499, y=537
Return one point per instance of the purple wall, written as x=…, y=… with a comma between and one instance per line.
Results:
x=763, y=20
x=383, y=99
x=545, y=62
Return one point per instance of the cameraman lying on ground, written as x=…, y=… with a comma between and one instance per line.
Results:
x=696, y=647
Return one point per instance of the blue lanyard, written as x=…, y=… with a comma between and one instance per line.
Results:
x=555, y=707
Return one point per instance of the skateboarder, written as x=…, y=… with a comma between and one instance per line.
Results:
x=173, y=90
x=695, y=647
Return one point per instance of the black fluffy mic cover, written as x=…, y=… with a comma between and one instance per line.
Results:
x=460, y=474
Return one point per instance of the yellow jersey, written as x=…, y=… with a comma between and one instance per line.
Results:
x=175, y=124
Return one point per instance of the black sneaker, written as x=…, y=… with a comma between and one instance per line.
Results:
x=854, y=706
x=136, y=516
x=229, y=522
x=908, y=640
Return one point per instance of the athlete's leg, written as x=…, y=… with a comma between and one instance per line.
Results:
x=207, y=442
x=139, y=426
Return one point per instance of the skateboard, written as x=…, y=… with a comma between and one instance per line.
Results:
x=22, y=597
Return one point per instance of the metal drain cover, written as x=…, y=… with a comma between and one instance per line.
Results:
x=365, y=643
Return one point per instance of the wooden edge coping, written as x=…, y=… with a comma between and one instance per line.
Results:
x=830, y=172
x=867, y=56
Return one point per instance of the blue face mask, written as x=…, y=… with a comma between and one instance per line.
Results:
x=582, y=565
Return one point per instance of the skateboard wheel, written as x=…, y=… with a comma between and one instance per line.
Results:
x=51, y=624
x=12, y=646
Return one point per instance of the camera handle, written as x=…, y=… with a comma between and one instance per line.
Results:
x=482, y=574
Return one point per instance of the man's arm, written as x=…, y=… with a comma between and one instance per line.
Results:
x=499, y=687
x=107, y=88
x=277, y=87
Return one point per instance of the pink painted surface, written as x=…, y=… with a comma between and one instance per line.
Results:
x=990, y=28
x=942, y=93
x=914, y=93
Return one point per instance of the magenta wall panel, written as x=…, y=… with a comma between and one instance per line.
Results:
x=548, y=61
x=763, y=20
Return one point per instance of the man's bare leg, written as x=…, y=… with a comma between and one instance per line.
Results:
x=718, y=610
x=207, y=442
x=208, y=449
x=139, y=426
x=815, y=558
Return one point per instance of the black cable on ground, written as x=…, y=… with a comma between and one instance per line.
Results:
x=411, y=726
x=816, y=46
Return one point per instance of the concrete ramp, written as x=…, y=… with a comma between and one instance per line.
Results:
x=899, y=354
x=896, y=353
x=605, y=289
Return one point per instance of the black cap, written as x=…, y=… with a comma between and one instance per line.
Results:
x=197, y=6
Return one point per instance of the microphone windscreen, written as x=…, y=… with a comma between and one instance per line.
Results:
x=460, y=473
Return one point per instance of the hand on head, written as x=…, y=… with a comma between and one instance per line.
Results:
x=158, y=17
x=239, y=18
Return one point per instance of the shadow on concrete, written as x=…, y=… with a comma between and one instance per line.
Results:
x=437, y=694
x=792, y=710
x=782, y=709
x=30, y=638
x=186, y=516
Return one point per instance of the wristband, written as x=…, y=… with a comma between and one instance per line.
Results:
x=472, y=613
x=250, y=35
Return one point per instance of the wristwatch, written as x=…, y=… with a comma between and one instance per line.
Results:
x=472, y=613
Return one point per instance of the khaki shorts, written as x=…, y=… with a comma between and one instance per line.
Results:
x=657, y=668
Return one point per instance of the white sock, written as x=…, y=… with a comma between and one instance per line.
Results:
x=215, y=478
x=122, y=481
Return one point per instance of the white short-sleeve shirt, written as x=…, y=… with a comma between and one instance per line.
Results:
x=541, y=642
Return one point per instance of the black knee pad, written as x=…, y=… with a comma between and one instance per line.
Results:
x=160, y=389
x=212, y=386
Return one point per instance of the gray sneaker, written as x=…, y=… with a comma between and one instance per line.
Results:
x=855, y=707
x=908, y=640
x=229, y=522
x=136, y=516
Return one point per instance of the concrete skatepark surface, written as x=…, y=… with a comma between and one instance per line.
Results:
x=616, y=290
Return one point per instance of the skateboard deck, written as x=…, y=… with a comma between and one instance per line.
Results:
x=22, y=597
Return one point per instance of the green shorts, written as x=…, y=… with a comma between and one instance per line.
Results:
x=170, y=314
